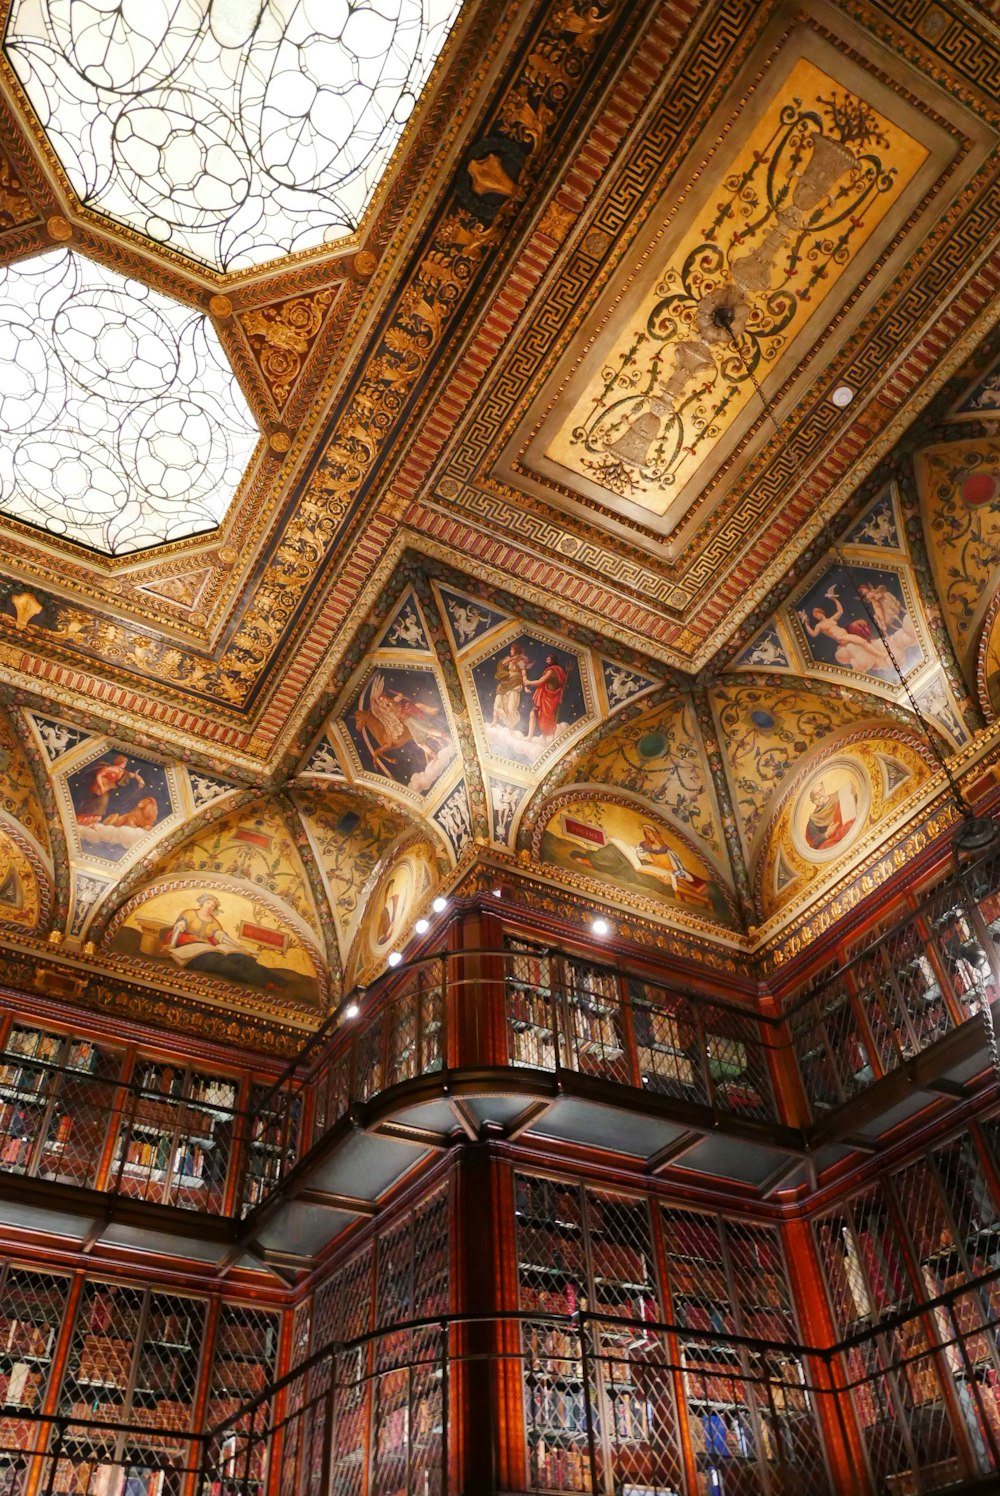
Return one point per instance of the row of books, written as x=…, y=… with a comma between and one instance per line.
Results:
x=21, y=1386
x=664, y=1064
x=594, y=1028
x=529, y=1007
x=34, y=1044
x=255, y=1340
x=560, y=1469
x=104, y=1358
x=188, y=1160
x=534, y=1048
x=23, y=1080
x=556, y=1404
x=632, y=1414
x=78, y=1476
x=653, y=1027
x=25, y=1337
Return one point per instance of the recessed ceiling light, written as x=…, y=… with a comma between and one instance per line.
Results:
x=498, y=893
x=439, y=905
x=422, y=926
x=600, y=926
x=394, y=958
x=352, y=1010
x=842, y=396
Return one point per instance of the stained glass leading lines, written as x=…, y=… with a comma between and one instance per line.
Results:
x=121, y=423
x=233, y=131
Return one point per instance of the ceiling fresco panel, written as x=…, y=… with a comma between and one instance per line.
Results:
x=353, y=839
x=776, y=225
x=608, y=839
x=960, y=498
x=840, y=796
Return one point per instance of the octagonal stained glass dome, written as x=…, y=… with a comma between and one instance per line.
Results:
x=122, y=425
x=233, y=131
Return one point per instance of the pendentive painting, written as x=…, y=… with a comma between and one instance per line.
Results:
x=219, y=932
x=399, y=728
x=388, y=921
x=830, y=811
x=117, y=800
x=860, y=618
x=530, y=693
x=633, y=850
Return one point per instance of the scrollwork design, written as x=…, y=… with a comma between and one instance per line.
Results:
x=780, y=226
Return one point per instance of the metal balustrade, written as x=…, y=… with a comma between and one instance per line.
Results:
x=155, y=1138
x=607, y=1405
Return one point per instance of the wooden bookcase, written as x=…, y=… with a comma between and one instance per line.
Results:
x=901, y=1407
x=32, y=1314
x=134, y=1358
x=244, y=1361
x=57, y=1098
x=175, y=1141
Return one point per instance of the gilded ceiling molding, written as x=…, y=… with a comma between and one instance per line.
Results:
x=285, y=806
x=61, y=885
x=546, y=898
x=727, y=811
x=32, y=966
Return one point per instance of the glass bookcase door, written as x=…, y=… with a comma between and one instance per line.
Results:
x=271, y=1141
x=552, y=1274
x=720, y=1422
x=32, y=1310
x=787, y=1428
x=246, y=1348
x=594, y=1025
x=531, y=1003
x=900, y=1400
x=666, y=1042
x=203, y=1143
x=28, y=1082
x=85, y=1098
x=175, y=1141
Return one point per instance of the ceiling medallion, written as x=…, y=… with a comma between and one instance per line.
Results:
x=122, y=425
x=231, y=131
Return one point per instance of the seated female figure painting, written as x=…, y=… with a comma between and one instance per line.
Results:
x=219, y=933
x=631, y=849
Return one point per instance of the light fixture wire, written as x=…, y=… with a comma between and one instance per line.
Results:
x=976, y=833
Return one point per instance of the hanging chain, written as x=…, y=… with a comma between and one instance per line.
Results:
x=723, y=318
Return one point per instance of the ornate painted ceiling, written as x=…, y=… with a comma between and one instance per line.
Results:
x=587, y=475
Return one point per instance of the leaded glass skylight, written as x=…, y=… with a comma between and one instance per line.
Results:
x=122, y=425
x=233, y=131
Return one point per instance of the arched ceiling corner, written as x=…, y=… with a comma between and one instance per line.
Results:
x=611, y=844
x=837, y=805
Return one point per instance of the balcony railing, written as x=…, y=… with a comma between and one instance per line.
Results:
x=531, y=1008
x=570, y=1402
x=611, y=1405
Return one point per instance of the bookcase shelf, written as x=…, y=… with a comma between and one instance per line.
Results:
x=563, y=1011
x=175, y=1140
x=57, y=1092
